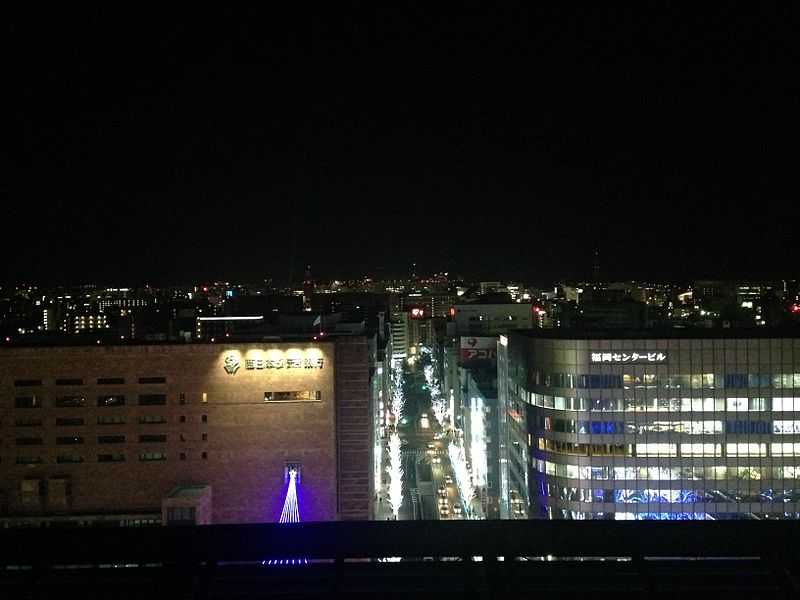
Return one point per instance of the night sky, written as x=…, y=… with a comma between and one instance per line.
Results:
x=173, y=143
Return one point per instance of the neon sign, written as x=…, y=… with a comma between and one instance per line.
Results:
x=231, y=362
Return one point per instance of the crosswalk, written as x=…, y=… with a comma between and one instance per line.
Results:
x=423, y=452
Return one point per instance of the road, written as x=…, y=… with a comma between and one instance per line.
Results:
x=429, y=488
x=425, y=458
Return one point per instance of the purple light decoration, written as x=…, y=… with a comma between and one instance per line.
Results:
x=290, y=514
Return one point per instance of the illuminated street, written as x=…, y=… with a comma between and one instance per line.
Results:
x=430, y=483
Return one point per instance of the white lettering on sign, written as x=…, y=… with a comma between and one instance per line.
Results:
x=628, y=357
x=231, y=363
x=259, y=364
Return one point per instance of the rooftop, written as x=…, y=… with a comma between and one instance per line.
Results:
x=652, y=333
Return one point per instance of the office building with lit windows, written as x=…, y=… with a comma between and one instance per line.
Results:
x=682, y=424
x=204, y=433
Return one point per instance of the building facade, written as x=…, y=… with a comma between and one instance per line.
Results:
x=481, y=435
x=485, y=319
x=471, y=379
x=683, y=424
x=113, y=433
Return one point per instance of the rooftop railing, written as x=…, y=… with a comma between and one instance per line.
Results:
x=488, y=559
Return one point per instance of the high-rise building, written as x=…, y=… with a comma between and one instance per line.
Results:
x=676, y=424
x=470, y=378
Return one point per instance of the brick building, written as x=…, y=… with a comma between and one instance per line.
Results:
x=206, y=432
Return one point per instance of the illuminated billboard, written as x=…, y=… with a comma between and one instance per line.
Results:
x=475, y=349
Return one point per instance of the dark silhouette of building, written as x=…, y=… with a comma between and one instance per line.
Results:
x=481, y=560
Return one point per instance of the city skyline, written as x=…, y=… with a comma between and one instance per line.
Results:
x=512, y=143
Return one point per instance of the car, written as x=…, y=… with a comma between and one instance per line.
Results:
x=442, y=489
x=448, y=480
x=444, y=511
x=431, y=445
x=436, y=460
x=443, y=501
x=457, y=509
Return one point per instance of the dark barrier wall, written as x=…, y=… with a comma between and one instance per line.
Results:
x=773, y=540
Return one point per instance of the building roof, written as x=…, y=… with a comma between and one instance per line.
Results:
x=659, y=333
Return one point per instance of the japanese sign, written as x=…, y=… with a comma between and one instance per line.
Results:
x=231, y=363
x=478, y=348
x=628, y=356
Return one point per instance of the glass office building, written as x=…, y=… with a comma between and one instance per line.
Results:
x=683, y=424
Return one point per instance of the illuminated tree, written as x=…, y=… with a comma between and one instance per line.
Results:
x=438, y=402
x=397, y=403
x=463, y=477
x=397, y=399
x=397, y=372
x=395, y=472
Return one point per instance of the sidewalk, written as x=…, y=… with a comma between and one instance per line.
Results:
x=476, y=509
x=382, y=510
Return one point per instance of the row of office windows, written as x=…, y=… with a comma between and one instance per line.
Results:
x=110, y=400
x=663, y=473
x=697, y=381
x=652, y=513
x=78, y=381
x=696, y=427
x=744, y=449
x=694, y=496
x=101, y=439
x=33, y=459
x=664, y=404
x=78, y=421
x=79, y=401
x=293, y=396
x=101, y=420
x=105, y=521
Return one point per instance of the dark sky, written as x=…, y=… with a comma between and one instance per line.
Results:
x=174, y=143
